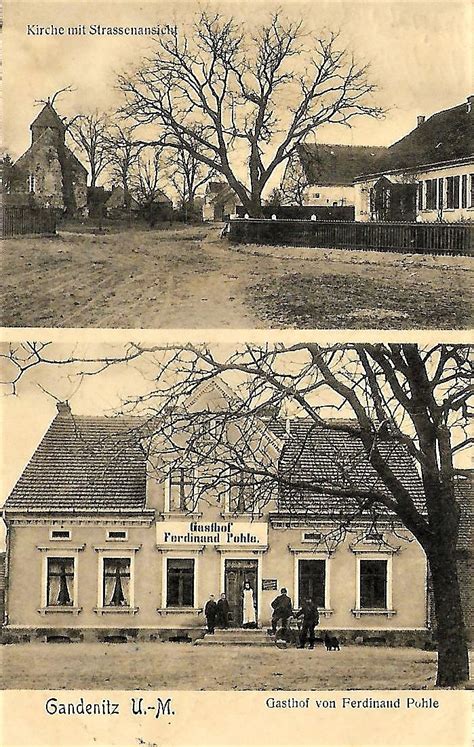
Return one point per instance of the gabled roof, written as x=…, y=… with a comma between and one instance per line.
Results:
x=445, y=136
x=84, y=463
x=338, y=459
x=48, y=117
x=337, y=164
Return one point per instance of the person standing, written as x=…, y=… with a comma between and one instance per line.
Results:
x=282, y=610
x=310, y=615
x=223, y=610
x=248, y=612
x=210, y=610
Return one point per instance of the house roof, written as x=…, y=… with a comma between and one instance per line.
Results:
x=84, y=463
x=445, y=136
x=338, y=459
x=97, y=464
x=48, y=117
x=337, y=164
x=215, y=186
x=116, y=198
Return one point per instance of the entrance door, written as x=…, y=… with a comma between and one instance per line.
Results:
x=237, y=572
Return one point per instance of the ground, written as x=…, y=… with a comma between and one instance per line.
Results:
x=188, y=277
x=182, y=666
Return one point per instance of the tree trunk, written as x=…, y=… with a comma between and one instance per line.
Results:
x=453, y=658
x=253, y=206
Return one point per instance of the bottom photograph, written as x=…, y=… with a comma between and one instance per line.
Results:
x=236, y=517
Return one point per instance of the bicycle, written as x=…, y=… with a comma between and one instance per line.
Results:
x=288, y=637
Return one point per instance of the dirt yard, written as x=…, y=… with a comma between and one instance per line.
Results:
x=181, y=666
x=187, y=277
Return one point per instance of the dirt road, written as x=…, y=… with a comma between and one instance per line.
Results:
x=187, y=277
x=181, y=666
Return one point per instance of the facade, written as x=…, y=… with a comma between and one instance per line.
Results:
x=100, y=544
x=323, y=175
x=48, y=171
x=465, y=491
x=426, y=176
x=220, y=202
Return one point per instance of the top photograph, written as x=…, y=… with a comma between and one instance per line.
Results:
x=263, y=165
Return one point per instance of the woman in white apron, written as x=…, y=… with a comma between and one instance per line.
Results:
x=248, y=617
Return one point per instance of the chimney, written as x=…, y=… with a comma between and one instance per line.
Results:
x=63, y=408
x=470, y=103
x=420, y=119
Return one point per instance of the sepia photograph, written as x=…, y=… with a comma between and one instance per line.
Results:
x=236, y=373
x=252, y=517
x=255, y=167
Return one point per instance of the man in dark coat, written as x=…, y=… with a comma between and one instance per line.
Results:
x=223, y=610
x=210, y=610
x=282, y=610
x=310, y=614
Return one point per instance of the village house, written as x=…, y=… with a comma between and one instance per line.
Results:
x=118, y=204
x=426, y=176
x=104, y=542
x=323, y=175
x=220, y=202
x=48, y=174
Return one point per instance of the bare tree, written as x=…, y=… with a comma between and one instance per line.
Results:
x=187, y=173
x=146, y=179
x=254, y=97
x=404, y=404
x=294, y=183
x=90, y=133
x=124, y=151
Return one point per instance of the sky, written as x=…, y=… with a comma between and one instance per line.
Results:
x=26, y=416
x=420, y=56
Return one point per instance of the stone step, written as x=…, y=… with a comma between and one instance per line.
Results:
x=211, y=641
x=236, y=637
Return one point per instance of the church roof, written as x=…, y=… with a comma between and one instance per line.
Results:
x=48, y=117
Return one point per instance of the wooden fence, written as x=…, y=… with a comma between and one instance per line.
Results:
x=21, y=221
x=420, y=238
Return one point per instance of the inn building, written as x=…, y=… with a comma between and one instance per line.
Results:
x=99, y=545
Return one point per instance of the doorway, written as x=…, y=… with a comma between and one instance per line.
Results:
x=237, y=572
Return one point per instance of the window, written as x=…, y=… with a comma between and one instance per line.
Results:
x=312, y=581
x=117, y=534
x=431, y=193
x=464, y=191
x=452, y=192
x=440, y=194
x=60, y=534
x=471, y=198
x=311, y=537
x=241, y=493
x=60, y=582
x=31, y=183
x=420, y=195
x=116, y=582
x=180, y=582
x=181, y=489
x=373, y=584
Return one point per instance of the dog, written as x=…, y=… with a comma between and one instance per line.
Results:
x=331, y=642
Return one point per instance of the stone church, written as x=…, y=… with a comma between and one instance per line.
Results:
x=48, y=174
